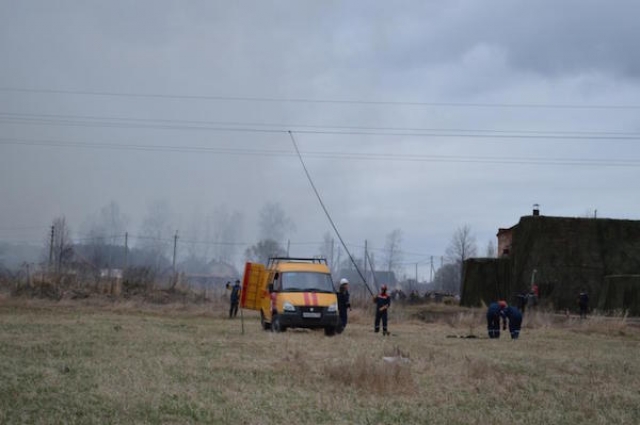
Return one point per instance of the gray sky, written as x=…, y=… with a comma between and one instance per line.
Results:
x=507, y=104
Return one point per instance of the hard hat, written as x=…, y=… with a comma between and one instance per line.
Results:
x=344, y=281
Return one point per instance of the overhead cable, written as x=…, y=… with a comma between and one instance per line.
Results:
x=302, y=100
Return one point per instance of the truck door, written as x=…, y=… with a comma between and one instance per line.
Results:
x=253, y=286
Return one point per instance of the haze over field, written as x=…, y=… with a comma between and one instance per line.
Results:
x=419, y=116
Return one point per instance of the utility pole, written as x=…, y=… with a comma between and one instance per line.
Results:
x=126, y=251
x=175, y=250
x=109, y=258
x=533, y=278
x=365, y=262
x=416, y=273
x=51, y=248
x=431, y=272
x=60, y=251
x=365, y=268
x=288, y=246
x=332, y=262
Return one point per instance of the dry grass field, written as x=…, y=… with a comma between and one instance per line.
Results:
x=125, y=363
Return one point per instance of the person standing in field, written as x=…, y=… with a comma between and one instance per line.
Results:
x=522, y=301
x=583, y=303
x=234, y=299
x=493, y=318
x=535, y=295
x=344, y=303
x=382, y=302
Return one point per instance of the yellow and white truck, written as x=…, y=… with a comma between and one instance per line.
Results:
x=291, y=293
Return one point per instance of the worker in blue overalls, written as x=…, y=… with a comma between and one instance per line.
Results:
x=382, y=302
x=234, y=298
x=493, y=318
x=515, y=320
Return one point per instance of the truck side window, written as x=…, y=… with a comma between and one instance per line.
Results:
x=277, y=284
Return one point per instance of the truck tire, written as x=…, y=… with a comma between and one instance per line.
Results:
x=275, y=324
x=265, y=325
x=330, y=331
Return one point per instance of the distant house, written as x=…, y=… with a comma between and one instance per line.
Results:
x=562, y=255
x=111, y=273
x=215, y=275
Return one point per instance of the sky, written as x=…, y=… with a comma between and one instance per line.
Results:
x=423, y=116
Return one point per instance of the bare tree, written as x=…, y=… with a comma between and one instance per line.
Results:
x=393, y=252
x=263, y=250
x=198, y=234
x=227, y=229
x=156, y=233
x=328, y=250
x=347, y=264
x=274, y=223
x=462, y=246
x=102, y=232
x=491, y=249
x=447, y=278
x=214, y=236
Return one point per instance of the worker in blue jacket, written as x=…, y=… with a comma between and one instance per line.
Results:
x=234, y=298
x=493, y=318
x=382, y=302
x=515, y=320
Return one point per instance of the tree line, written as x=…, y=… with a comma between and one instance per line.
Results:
x=104, y=243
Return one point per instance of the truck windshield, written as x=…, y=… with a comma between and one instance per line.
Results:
x=306, y=282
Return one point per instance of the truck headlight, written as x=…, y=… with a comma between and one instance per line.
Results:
x=332, y=308
x=287, y=306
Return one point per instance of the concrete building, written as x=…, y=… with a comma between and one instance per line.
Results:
x=564, y=255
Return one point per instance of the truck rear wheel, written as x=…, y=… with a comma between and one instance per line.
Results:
x=265, y=325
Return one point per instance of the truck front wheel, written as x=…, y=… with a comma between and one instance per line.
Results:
x=330, y=331
x=276, y=326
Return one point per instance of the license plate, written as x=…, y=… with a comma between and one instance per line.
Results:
x=309, y=315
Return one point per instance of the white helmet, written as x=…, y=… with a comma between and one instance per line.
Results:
x=344, y=281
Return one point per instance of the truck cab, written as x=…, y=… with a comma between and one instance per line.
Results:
x=292, y=293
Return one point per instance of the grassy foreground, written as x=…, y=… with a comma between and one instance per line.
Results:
x=119, y=363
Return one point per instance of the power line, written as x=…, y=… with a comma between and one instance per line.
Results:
x=107, y=120
x=419, y=254
x=338, y=130
x=102, y=237
x=334, y=155
x=23, y=228
x=303, y=100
